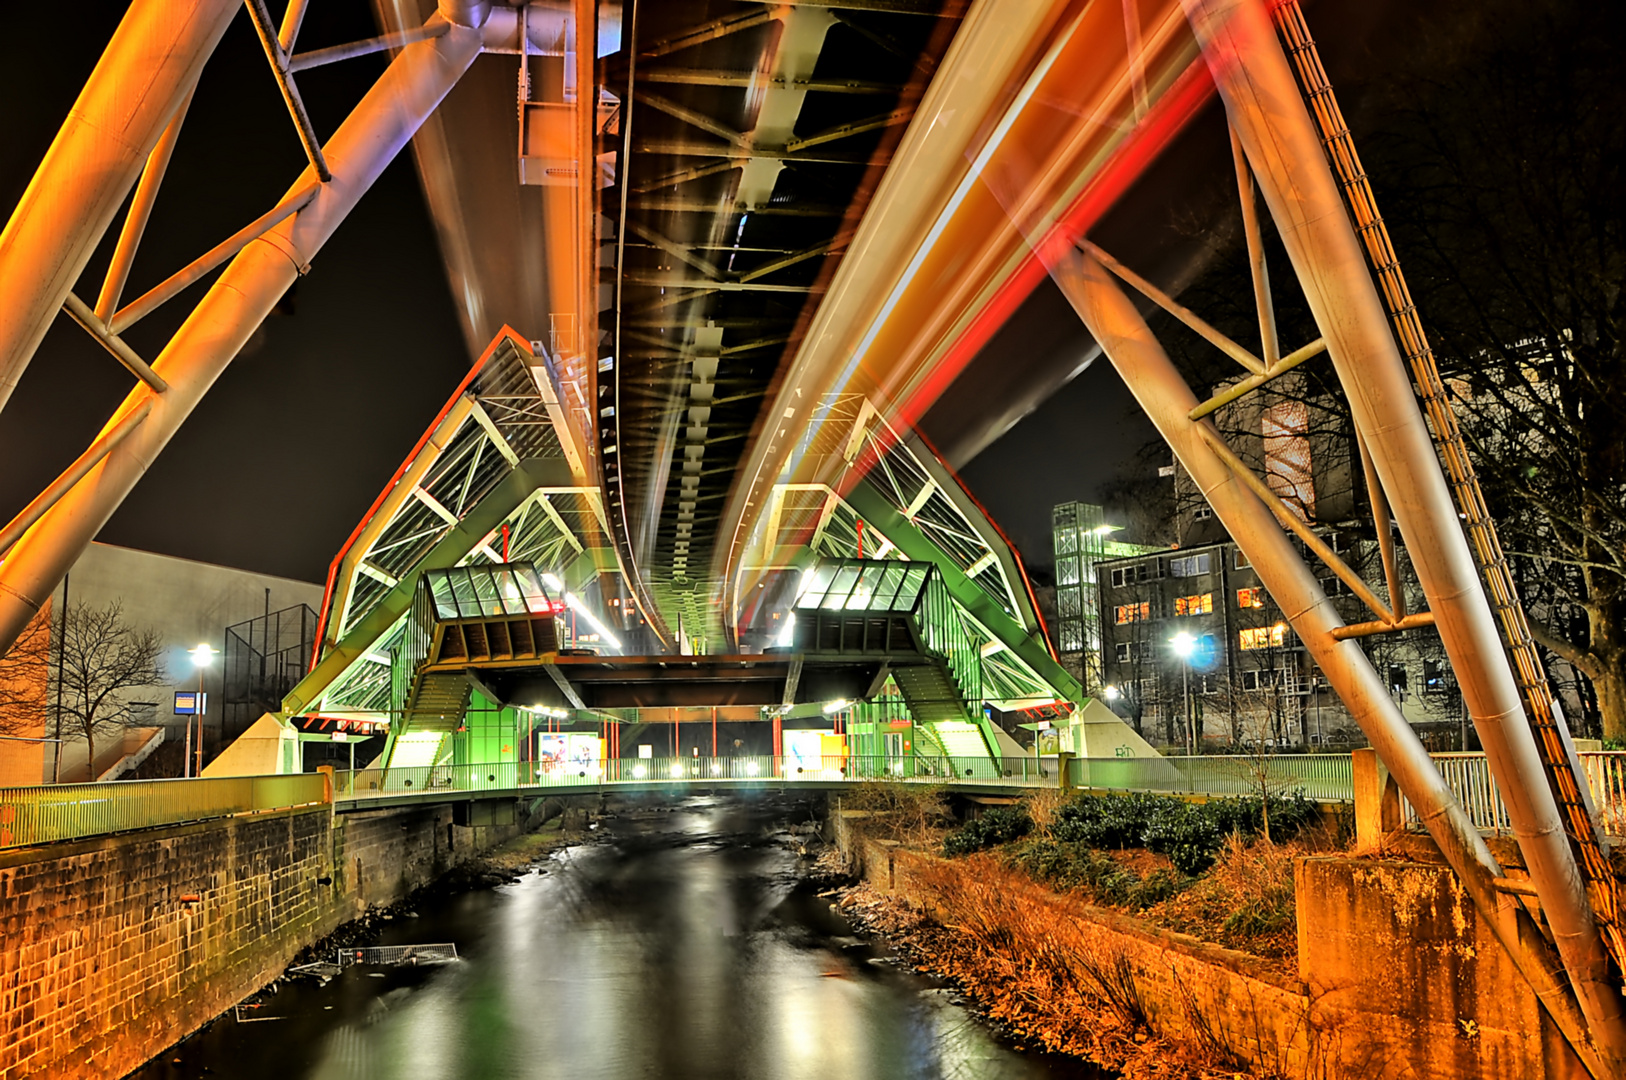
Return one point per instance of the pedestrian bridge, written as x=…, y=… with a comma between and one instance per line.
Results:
x=69, y=812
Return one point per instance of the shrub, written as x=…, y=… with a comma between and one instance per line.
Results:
x=1190, y=835
x=1074, y=867
x=998, y=826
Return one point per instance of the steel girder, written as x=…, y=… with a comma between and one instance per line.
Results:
x=453, y=546
x=1283, y=148
x=137, y=90
x=265, y=258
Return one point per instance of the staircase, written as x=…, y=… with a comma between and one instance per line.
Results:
x=931, y=692
x=438, y=702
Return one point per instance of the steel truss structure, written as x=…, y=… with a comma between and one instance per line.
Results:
x=770, y=273
x=1277, y=147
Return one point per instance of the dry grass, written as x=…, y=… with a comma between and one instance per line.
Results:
x=1246, y=901
x=1040, y=976
x=1042, y=807
x=914, y=814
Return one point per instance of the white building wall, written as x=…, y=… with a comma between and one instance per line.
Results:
x=187, y=603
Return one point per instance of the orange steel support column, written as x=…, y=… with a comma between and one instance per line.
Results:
x=1130, y=346
x=1263, y=103
x=149, y=67
x=382, y=123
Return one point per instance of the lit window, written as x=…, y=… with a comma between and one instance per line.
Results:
x=1201, y=604
x=1124, y=614
x=1254, y=597
x=1264, y=637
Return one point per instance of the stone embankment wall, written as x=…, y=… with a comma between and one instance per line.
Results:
x=1396, y=975
x=116, y=948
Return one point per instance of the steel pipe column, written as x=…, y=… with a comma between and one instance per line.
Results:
x=235, y=305
x=1129, y=344
x=148, y=69
x=1266, y=110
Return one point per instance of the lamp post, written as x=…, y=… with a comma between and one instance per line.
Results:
x=1182, y=644
x=202, y=657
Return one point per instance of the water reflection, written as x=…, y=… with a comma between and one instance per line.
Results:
x=680, y=946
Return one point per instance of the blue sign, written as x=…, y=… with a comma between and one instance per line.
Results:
x=191, y=703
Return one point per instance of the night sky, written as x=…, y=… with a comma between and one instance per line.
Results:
x=277, y=464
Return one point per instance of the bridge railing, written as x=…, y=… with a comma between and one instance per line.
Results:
x=57, y=812
x=1468, y=775
x=1326, y=777
x=510, y=776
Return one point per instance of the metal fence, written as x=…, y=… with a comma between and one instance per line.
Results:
x=1606, y=775
x=41, y=815
x=53, y=813
x=1325, y=777
x=1469, y=777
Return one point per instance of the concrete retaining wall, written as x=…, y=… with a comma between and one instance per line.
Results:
x=1397, y=978
x=118, y=947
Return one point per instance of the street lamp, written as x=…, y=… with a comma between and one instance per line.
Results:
x=1183, y=644
x=202, y=657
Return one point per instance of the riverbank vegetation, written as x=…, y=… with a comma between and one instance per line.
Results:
x=1220, y=870
x=1037, y=967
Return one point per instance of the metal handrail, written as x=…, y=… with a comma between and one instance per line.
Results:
x=57, y=812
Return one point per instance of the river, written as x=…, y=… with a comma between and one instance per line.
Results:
x=681, y=943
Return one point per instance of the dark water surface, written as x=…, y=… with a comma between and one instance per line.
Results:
x=679, y=945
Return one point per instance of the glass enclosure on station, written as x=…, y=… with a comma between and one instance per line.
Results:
x=473, y=592
x=864, y=585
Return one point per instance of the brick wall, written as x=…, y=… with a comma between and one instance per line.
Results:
x=108, y=961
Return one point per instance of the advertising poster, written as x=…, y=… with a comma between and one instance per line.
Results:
x=814, y=753
x=569, y=753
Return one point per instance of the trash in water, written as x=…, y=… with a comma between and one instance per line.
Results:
x=237, y=1014
x=395, y=955
x=319, y=970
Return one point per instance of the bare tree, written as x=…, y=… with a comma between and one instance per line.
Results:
x=24, y=678
x=1506, y=189
x=102, y=659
